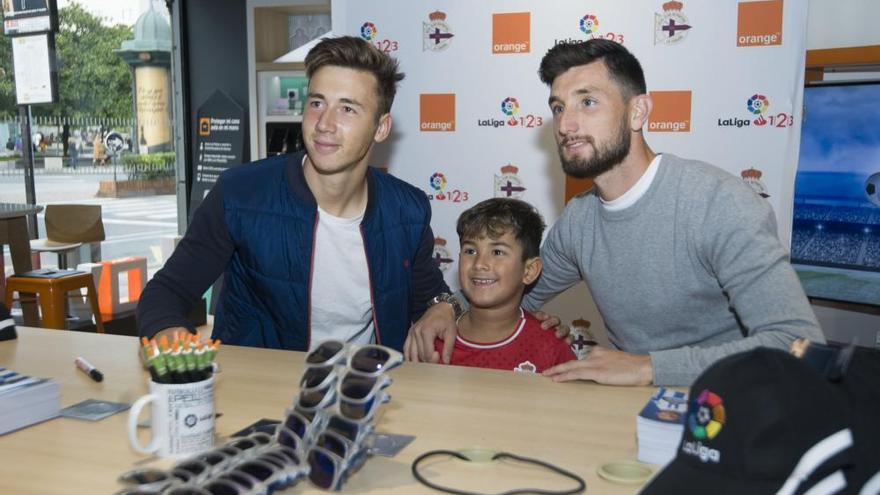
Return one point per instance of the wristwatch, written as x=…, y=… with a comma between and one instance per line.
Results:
x=445, y=297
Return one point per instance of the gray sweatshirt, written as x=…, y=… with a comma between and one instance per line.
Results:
x=692, y=272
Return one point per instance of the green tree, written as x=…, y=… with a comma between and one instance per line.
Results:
x=92, y=80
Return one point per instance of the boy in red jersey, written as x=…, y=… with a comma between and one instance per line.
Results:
x=499, y=240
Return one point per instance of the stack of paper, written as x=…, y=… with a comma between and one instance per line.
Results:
x=660, y=425
x=25, y=400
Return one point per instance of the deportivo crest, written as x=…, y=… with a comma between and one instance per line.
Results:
x=671, y=26
x=437, y=34
x=508, y=184
x=752, y=177
x=526, y=367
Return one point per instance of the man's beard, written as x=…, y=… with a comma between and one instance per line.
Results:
x=604, y=159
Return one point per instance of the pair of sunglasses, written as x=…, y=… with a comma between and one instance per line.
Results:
x=360, y=394
x=370, y=359
x=333, y=458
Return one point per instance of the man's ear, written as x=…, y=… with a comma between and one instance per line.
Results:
x=640, y=108
x=533, y=270
x=384, y=128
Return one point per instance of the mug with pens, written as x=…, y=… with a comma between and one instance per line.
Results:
x=181, y=394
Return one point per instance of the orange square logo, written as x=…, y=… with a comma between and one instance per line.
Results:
x=512, y=32
x=437, y=112
x=204, y=126
x=759, y=23
x=671, y=113
x=574, y=186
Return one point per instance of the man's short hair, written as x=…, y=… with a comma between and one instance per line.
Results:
x=355, y=53
x=623, y=67
x=497, y=216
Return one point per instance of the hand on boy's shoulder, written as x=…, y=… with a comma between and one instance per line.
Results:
x=549, y=321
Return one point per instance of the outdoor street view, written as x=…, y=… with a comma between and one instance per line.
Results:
x=107, y=140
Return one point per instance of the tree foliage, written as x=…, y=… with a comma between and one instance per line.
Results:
x=92, y=80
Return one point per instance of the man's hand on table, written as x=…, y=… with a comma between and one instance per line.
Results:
x=606, y=366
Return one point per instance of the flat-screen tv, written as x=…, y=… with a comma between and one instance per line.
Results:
x=835, y=245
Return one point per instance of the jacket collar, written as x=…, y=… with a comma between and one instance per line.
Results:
x=296, y=181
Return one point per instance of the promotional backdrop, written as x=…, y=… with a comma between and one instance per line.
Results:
x=471, y=119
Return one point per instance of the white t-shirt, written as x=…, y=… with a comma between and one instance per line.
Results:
x=635, y=192
x=341, y=304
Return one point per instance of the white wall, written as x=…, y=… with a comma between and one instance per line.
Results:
x=842, y=23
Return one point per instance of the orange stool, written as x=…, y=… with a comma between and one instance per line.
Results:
x=52, y=295
x=108, y=274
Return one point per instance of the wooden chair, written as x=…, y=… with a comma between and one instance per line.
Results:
x=52, y=296
x=68, y=227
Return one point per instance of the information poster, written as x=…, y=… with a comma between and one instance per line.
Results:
x=31, y=57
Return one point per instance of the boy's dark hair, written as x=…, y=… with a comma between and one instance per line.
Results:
x=497, y=216
x=355, y=53
x=623, y=67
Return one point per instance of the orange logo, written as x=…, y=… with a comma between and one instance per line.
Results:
x=437, y=112
x=574, y=186
x=759, y=23
x=671, y=113
x=204, y=126
x=512, y=32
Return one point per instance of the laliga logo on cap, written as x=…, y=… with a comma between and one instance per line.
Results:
x=589, y=24
x=704, y=421
x=369, y=31
x=706, y=416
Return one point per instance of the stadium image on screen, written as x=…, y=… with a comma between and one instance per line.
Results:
x=835, y=245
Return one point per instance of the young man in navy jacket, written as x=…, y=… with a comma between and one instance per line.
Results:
x=311, y=245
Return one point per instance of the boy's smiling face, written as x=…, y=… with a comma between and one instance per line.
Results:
x=492, y=272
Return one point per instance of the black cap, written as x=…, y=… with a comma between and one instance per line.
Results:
x=761, y=421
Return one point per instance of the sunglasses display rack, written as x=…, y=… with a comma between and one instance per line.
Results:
x=325, y=436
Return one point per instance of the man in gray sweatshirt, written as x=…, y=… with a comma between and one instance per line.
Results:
x=682, y=258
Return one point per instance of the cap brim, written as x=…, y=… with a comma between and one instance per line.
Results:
x=682, y=478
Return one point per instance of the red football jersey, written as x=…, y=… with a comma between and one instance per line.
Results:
x=529, y=348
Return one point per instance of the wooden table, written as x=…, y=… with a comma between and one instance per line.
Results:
x=577, y=426
x=14, y=233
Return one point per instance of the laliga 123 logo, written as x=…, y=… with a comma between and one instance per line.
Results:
x=441, y=257
x=510, y=108
x=438, y=183
x=369, y=32
x=758, y=105
x=589, y=25
x=508, y=184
